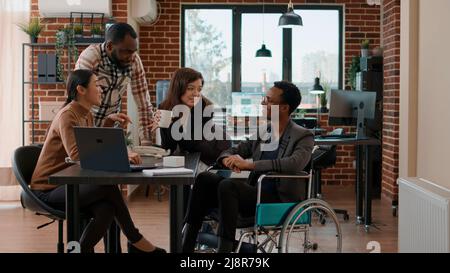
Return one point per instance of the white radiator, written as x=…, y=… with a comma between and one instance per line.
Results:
x=424, y=217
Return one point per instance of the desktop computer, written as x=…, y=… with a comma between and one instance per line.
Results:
x=246, y=104
x=349, y=108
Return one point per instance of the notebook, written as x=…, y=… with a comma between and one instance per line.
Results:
x=168, y=171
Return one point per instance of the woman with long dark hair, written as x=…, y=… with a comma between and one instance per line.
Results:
x=185, y=89
x=105, y=203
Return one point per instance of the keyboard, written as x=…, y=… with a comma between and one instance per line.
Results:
x=337, y=136
x=139, y=168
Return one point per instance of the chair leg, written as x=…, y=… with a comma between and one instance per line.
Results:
x=112, y=239
x=60, y=245
x=159, y=193
x=343, y=212
x=106, y=242
x=147, y=190
x=394, y=208
x=118, y=245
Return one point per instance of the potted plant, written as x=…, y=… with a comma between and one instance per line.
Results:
x=96, y=31
x=33, y=28
x=61, y=35
x=64, y=38
x=378, y=51
x=352, y=71
x=324, y=98
x=365, y=48
x=78, y=31
x=299, y=114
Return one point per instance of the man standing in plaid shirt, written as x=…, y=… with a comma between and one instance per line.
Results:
x=116, y=64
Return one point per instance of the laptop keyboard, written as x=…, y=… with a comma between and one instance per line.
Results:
x=337, y=136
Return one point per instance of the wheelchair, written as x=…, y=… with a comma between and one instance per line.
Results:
x=280, y=227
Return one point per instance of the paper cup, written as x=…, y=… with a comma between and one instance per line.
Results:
x=166, y=119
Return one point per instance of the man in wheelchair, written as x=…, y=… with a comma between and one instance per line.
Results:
x=233, y=197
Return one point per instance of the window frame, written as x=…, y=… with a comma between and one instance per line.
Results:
x=238, y=10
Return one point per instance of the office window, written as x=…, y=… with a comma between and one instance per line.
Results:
x=207, y=45
x=258, y=74
x=315, y=51
x=221, y=41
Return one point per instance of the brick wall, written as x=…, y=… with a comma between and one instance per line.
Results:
x=160, y=43
x=343, y=172
x=56, y=92
x=391, y=100
x=160, y=53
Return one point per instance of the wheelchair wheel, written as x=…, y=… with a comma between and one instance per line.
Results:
x=310, y=236
x=322, y=219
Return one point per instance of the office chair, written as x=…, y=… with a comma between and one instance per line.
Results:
x=322, y=158
x=24, y=162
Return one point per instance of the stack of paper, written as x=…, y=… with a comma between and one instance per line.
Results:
x=168, y=171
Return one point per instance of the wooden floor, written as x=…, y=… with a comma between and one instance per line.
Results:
x=18, y=231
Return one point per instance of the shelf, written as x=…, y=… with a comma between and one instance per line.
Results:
x=51, y=44
x=89, y=40
x=34, y=80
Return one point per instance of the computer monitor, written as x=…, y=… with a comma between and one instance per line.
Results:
x=352, y=107
x=246, y=104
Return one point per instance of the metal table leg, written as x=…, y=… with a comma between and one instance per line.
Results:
x=73, y=219
x=359, y=185
x=368, y=189
x=176, y=217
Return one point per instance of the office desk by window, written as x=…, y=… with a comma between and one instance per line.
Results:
x=364, y=175
x=73, y=176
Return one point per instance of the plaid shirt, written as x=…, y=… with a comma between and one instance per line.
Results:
x=114, y=81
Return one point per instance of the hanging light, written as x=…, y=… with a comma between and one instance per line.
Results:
x=317, y=88
x=263, y=51
x=318, y=91
x=290, y=19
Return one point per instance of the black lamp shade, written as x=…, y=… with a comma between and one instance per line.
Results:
x=317, y=86
x=290, y=19
x=263, y=52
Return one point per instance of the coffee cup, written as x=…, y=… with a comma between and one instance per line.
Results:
x=165, y=118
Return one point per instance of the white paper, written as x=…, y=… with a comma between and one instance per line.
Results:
x=168, y=171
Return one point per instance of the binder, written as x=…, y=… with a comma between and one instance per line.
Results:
x=51, y=68
x=42, y=68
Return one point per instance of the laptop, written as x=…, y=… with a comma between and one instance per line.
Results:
x=104, y=149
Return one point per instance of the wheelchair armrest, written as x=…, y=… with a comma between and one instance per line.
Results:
x=214, y=168
x=217, y=166
x=300, y=175
x=303, y=175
